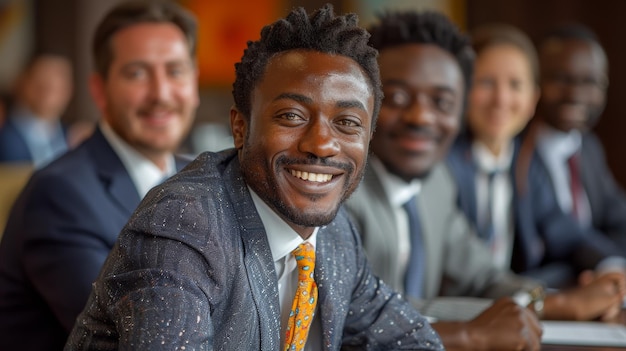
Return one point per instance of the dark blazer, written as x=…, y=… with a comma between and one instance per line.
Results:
x=193, y=267
x=606, y=197
x=548, y=244
x=13, y=147
x=59, y=233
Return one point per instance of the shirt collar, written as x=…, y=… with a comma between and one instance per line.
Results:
x=558, y=143
x=398, y=191
x=488, y=162
x=143, y=172
x=282, y=238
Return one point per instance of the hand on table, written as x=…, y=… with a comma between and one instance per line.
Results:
x=599, y=296
x=503, y=326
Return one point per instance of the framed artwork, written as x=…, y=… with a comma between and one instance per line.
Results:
x=16, y=39
x=368, y=9
x=224, y=28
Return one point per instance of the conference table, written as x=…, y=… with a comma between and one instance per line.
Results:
x=545, y=347
x=579, y=348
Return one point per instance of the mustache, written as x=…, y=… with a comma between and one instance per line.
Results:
x=283, y=161
x=157, y=106
x=414, y=131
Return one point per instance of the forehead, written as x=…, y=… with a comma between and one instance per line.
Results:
x=149, y=40
x=420, y=65
x=320, y=76
x=573, y=54
x=502, y=57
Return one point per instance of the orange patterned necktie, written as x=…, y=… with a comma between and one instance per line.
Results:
x=304, y=301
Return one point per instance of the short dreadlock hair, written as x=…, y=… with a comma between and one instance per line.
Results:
x=428, y=27
x=321, y=31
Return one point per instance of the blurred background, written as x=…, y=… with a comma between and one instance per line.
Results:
x=66, y=26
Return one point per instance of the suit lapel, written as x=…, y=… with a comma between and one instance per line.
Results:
x=113, y=173
x=461, y=162
x=330, y=270
x=258, y=259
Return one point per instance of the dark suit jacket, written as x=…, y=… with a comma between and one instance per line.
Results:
x=606, y=197
x=193, y=267
x=13, y=147
x=58, y=235
x=548, y=244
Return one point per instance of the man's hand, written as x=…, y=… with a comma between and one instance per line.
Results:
x=599, y=297
x=503, y=326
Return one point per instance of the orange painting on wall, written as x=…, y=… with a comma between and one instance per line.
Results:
x=224, y=28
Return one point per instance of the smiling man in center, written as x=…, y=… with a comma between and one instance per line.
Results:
x=249, y=249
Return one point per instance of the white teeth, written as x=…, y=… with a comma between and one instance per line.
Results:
x=312, y=177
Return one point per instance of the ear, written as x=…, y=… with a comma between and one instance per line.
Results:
x=98, y=92
x=239, y=126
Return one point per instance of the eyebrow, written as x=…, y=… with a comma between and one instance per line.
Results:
x=307, y=100
x=437, y=87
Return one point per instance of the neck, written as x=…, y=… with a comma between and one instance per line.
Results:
x=495, y=146
x=159, y=158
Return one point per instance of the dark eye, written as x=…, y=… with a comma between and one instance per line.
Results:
x=178, y=70
x=134, y=72
x=484, y=82
x=397, y=99
x=516, y=84
x=290, y=116
x=444, y=103
x=349, y=123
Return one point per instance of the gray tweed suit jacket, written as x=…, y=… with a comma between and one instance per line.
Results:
x=193, y=268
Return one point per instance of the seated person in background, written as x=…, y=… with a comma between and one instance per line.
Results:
x=574, y=81
x=206, y=261
x=427, y=248
x=516, y=215
x=68, y=217
x=32, y=131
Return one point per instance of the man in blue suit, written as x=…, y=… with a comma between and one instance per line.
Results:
x=33, y=131
x=68, y=217
x=205, y=260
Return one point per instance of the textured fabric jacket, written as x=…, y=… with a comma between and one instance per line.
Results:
x=193, y=269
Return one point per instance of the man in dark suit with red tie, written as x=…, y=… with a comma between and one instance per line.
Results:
x=574, y=81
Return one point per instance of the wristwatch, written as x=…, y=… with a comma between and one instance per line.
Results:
x=532, y=298
x=537, y=296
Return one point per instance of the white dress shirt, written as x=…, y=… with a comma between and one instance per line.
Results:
x=555, y=148
x=44, y=137
x=143, y=172
x=398, y=192
x=501, y=202
x=283, y=240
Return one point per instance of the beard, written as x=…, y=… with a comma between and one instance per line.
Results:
x=261, y=178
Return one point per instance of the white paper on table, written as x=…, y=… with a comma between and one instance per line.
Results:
x=583, y=333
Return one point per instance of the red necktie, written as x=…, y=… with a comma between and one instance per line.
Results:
x=575, y=185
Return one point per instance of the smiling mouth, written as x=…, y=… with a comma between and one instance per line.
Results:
x=311, y=177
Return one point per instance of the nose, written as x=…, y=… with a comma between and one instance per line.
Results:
x=502, y=95
x=319, y=139
x=420, y=112
x=160, y=87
